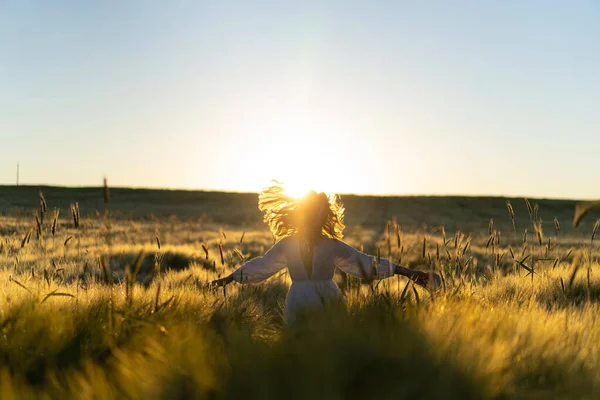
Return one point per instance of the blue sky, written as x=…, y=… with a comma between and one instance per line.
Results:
x=431, y=97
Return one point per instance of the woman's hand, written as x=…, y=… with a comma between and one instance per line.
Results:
x=222, y=282
x=429, y=280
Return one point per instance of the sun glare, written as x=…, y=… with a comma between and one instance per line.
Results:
x=300, y=178
x=297, y=188
x=303, y=152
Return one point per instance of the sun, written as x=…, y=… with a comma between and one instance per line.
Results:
x=302, y=150
x=297, y=179
x=297, y=187
x=304, y=171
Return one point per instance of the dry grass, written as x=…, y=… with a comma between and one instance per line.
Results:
x=115, y=307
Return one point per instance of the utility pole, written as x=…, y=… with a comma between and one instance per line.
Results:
x=17, y=174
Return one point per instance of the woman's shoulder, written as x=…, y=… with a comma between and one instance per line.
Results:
x=286, y=242
x=324, y=241
x=330, y=243
x=338, y=247
x=295, y=240
x=333, y=241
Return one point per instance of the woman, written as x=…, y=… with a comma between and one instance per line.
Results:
x=311, y=249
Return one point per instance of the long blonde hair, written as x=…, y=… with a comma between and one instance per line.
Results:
x=283, y=213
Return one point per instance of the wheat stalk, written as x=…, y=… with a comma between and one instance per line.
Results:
x=75, y=214
x=511, y=212
x=55, y=221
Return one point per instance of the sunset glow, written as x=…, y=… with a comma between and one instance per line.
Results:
x=389, y=98
x=301, y=150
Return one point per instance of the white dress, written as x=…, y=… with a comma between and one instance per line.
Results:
x=310, y=291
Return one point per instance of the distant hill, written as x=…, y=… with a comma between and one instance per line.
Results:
x=454, y=212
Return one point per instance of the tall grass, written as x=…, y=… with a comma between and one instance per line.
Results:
x=130, y=315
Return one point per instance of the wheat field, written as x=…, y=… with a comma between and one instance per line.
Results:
x=103, y=295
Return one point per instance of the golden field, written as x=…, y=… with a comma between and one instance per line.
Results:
x=118, y=307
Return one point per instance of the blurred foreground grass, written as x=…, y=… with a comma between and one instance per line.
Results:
x=518, y=317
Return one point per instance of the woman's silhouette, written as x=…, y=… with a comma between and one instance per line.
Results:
x=310, y=247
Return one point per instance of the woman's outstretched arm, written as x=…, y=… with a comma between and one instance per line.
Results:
x=368, y=267
x=359, y=264
x=422, y=278
x=260, y=268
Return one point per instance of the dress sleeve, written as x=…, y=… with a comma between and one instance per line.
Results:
x=261, y=268
x=361, y=265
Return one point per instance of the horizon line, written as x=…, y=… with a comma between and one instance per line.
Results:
x=232, y=191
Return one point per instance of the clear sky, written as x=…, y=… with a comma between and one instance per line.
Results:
x=397, y=97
